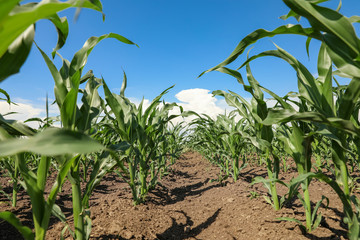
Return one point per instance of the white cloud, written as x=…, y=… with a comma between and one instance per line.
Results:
x=26, y=109
x=197, y=100
x=200, y=101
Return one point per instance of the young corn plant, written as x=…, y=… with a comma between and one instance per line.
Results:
x=176, y=135
x=231, y=135
x=160, y=117
x=143, y=129
x=9, y=165
x=298, y=146
x=261, y=135
x=206, y=138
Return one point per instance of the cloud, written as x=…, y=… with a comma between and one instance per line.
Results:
x=196, y=99
x=25, y=109
x=200, y=101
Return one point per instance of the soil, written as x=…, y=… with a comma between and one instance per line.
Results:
x=188, y=204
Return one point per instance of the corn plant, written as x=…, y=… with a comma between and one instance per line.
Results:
x=143, y=129
x=176, y=139
x=13, y=173
x=160, y=117
x=260, y=135
x=231, y=135
x=222, y=141
x=206, y=139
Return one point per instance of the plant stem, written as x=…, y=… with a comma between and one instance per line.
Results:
x=77, y=203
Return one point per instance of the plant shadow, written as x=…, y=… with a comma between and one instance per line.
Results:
x=183, y=231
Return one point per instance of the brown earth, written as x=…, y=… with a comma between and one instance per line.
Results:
x=189, y=205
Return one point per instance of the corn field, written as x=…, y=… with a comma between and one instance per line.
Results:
x=314, y=128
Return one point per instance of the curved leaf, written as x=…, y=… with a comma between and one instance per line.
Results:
x=52, y=141
x=13, y=220
x=15, y=56
x=80, y=58
x=327, y=20
x=21, y=17
x=62, y=28
x=261, y=33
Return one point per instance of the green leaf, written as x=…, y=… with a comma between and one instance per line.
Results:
x=104, y=163
x=22, y=17
x=50, y=142
x=344, y=60
x=56, y=211
x=306, y=82
x=87, y=224
x=60, y=88
x=291, y=220
x=231, y=72
x=284, y=115
x=80, y=58
x=327, y=20
x=15, y=56
x=354, y=19
x=62, y=28
x=6, y=95
x=339, y=34
x=91, y=106
x=123, y=85
x=68, y=109
x=14, y=127
x=6, y=7
x=316, y=218
x=349, y=99
x=261, y=33
x=117, y=105
x=13, y=220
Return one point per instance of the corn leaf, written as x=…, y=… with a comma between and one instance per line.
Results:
x=15, y=22
x=13, y=220
x=261, y=33
x=14, y=57
x=50, y=142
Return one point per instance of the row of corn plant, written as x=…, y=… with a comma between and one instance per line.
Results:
x=145, y=130
x=320, y=110
x=260, y=135
x=67, y=146
x=81, y=119
x=221, y=141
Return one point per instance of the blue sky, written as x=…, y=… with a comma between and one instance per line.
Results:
x=178, y=40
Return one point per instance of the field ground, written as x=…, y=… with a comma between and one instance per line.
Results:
x=188, y=205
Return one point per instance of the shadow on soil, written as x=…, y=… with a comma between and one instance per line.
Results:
x=178, y=194
x=182, y=231
x=250, y=174
x=176, y=231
